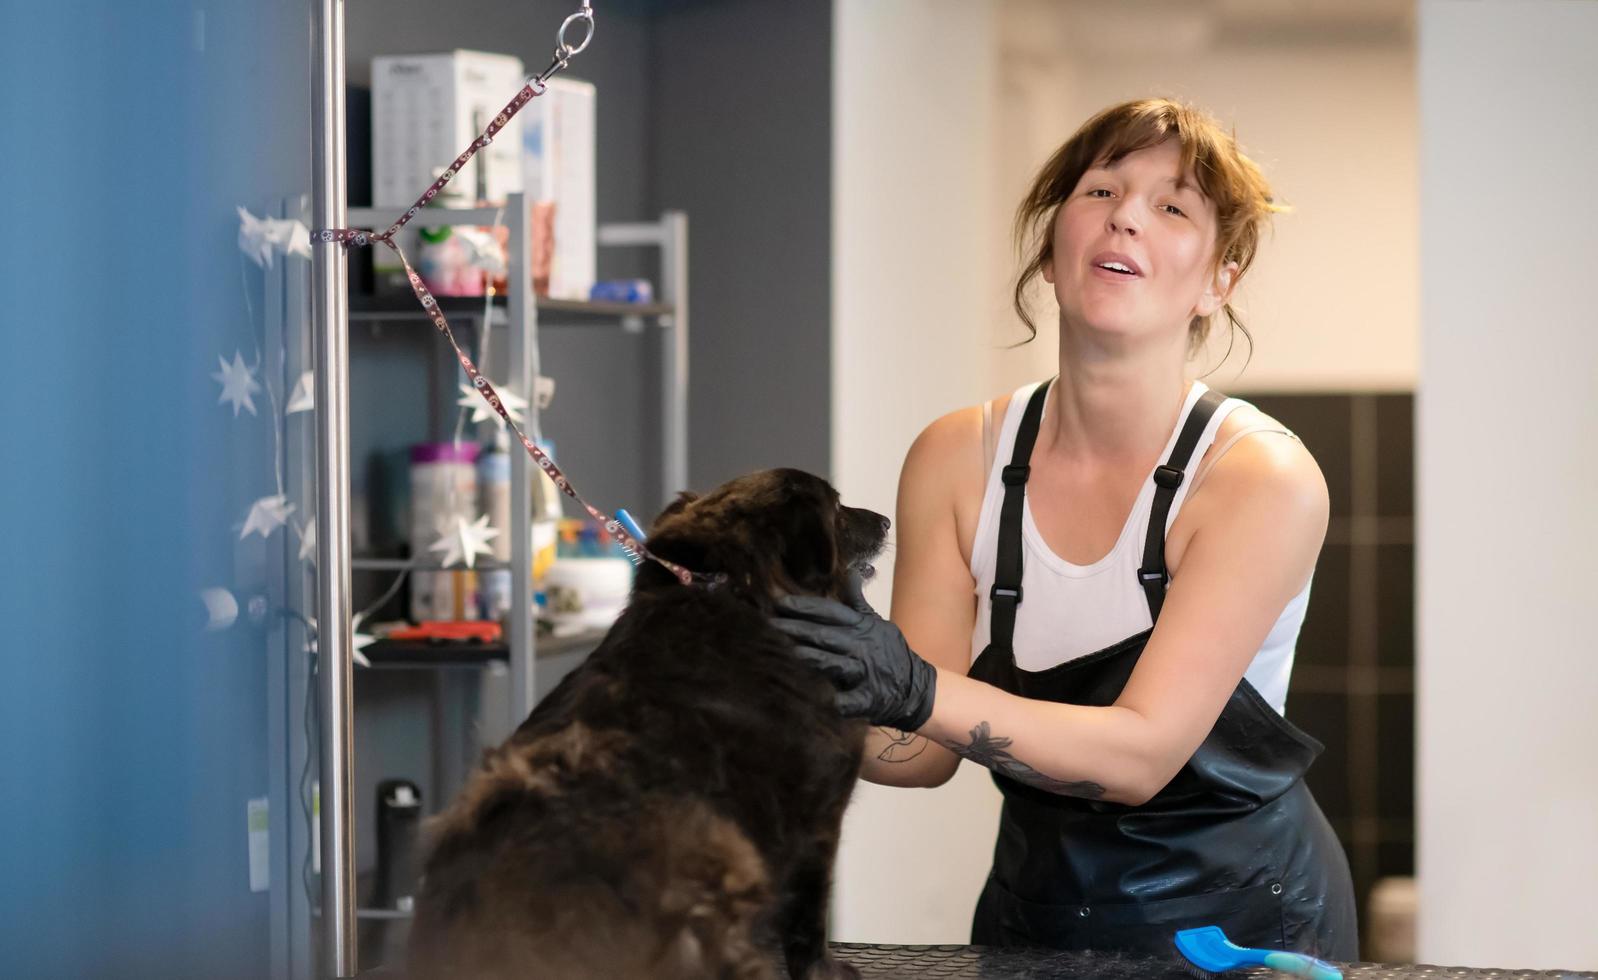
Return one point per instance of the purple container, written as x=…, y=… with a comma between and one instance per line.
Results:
x=445, y=452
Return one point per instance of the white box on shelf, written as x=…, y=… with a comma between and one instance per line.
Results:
x=558, y=166
x=426, y=109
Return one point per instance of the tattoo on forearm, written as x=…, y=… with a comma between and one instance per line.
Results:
x=902, y=746
x=992, y=751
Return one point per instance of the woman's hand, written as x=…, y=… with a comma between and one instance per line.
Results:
x=878, y=676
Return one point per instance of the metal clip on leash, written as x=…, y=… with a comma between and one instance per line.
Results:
x=563, y=49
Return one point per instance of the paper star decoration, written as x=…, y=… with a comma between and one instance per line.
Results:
x=308, y=541
x=267, y=515
x=253, y=240
x=238, y=383
x=464, y=542
x=221, y=609
x=515, y=405
x=304, y=397
x=358, y=640
x=260, y=238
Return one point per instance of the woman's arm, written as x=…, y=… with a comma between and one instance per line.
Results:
x=934, y=596
x=1264, y=519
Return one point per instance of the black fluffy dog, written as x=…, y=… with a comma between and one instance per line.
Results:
x=672, y=808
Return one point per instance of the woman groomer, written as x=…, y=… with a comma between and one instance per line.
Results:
x=1150, y=780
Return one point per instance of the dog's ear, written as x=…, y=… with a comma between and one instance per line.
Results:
x=807, y=545
x=684, y=498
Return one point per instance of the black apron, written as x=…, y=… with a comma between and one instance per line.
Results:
x=1234, y=840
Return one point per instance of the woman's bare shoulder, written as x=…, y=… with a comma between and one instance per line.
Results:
x=948, y=452
x=1246, y=419
x=1264, y=473
x=946, y=469
x=1246, y=416
x=1270, y=459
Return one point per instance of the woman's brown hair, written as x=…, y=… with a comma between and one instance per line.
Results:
x=1242, y=199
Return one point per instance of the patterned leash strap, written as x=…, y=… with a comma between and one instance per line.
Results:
x=613, y=527
x=358, y=237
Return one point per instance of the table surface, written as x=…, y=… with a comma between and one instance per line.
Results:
x=878, y=962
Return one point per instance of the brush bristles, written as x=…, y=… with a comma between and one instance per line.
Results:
x=1194, y=970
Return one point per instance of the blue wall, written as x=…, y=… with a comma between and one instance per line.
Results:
x=132, y=737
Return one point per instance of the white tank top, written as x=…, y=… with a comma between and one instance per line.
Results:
x=1071, y=610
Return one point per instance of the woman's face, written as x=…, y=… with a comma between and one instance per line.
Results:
x=1140, y=214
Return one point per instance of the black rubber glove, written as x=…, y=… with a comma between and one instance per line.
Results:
x=877, y=675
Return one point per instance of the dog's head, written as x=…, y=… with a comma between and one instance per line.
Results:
x=772, y=532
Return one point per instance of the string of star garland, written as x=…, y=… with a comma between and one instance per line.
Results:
x=463, y=533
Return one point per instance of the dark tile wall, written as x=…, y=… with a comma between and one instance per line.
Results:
x=1353, y=684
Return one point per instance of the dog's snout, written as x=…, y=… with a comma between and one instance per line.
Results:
x=874, y=527
x=867, y=522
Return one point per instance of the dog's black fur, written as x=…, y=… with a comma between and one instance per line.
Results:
x=672, y=808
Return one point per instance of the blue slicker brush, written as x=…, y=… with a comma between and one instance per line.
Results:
x=1209, y=953
x=631, y=525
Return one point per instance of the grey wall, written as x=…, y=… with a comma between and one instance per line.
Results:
x=741, y=125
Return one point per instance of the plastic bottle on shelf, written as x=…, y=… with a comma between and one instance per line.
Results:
x=570, y=529
x=498, y=280
x=493, y=478
x=443, y=258
x=546, y=510
x=443, y=478
x=493, y=474
x=589, y=582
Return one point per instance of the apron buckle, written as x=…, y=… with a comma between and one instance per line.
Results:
x=1000, y=592
x=1015, y=476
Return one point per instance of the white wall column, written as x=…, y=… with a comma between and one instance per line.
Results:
x=1507, y=436
x=912, y=151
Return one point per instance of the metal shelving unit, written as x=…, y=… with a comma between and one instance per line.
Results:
x=668, y=236
x=522, y=650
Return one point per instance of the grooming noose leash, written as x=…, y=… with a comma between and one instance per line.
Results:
x=357, y=237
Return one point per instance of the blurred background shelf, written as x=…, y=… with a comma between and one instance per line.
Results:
x=401, y=564
x=554, y=312
x=472, y=654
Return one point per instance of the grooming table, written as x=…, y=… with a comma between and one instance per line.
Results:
x=878, y=962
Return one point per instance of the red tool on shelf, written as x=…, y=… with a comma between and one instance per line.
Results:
x=483, y=631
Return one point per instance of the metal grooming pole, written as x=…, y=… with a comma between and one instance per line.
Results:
x=330, y=339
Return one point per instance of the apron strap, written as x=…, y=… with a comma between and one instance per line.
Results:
x=1153, y=576
x=1005, y=595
